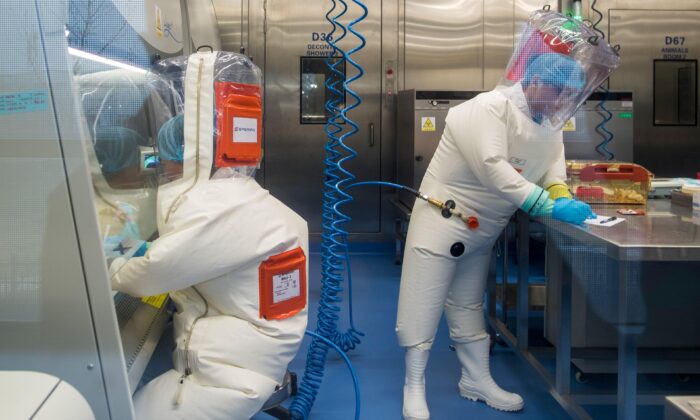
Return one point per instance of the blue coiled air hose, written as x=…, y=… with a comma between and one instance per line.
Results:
x=334, y=248
x=602, y=129
x=602, y=147
x=384, y=184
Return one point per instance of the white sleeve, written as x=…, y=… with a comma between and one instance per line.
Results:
x=173, y=262
x=481, y=136
x=203, y=245
x=557, y=172
x=208, y=239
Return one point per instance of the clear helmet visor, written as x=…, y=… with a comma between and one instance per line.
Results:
x=166, y=85
x=558, y=63
x=113, y=106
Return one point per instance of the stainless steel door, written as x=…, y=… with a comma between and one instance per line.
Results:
x=444, y=44
x=647, y=36
x=294, y=152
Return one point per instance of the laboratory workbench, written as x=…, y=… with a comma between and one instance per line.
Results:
x=666, y=233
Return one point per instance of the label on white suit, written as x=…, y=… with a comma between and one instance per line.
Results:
x=245, y=130
x=285, y=286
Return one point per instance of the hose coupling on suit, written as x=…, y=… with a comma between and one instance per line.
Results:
x=448, y=210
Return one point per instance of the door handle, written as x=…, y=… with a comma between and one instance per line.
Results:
x=371, y=134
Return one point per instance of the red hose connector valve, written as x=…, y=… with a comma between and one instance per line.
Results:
x=472, y=223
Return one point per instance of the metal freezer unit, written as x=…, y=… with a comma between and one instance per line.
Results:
x=420, y=122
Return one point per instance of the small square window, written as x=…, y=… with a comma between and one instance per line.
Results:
x=675, y=92
x=314, y=93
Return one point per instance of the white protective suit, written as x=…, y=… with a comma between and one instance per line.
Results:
x=489, y=158
x=214, y=235
x=490, y=155
x=493, y=152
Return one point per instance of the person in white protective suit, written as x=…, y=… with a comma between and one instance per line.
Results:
x=232, y=257
x=500, y=151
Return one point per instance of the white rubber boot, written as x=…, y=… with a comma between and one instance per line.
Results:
x=477, y=384
x=414, y=405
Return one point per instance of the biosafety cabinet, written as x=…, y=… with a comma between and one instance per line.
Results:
x=69, y=344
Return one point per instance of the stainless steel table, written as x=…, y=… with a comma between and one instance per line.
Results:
x=666, y=233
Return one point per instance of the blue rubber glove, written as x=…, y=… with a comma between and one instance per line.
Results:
x=572, y=211
x=141, y=251
x=120, y=247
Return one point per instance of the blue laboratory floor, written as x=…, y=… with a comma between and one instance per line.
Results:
x=379, y=360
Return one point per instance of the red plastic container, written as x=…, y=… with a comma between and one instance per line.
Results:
x=609, y=182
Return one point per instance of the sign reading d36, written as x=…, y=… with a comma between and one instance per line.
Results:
x=321, y=36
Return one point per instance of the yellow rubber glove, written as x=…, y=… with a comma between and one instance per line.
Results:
x=558, y=190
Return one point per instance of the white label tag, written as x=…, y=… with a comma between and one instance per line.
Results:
x=245, y=130
x=285, y=286
x=627, y=104
x=605, y=221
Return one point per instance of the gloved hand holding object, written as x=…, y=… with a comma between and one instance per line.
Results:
x=572, y=211
x=494, y=151
x=120, y=247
